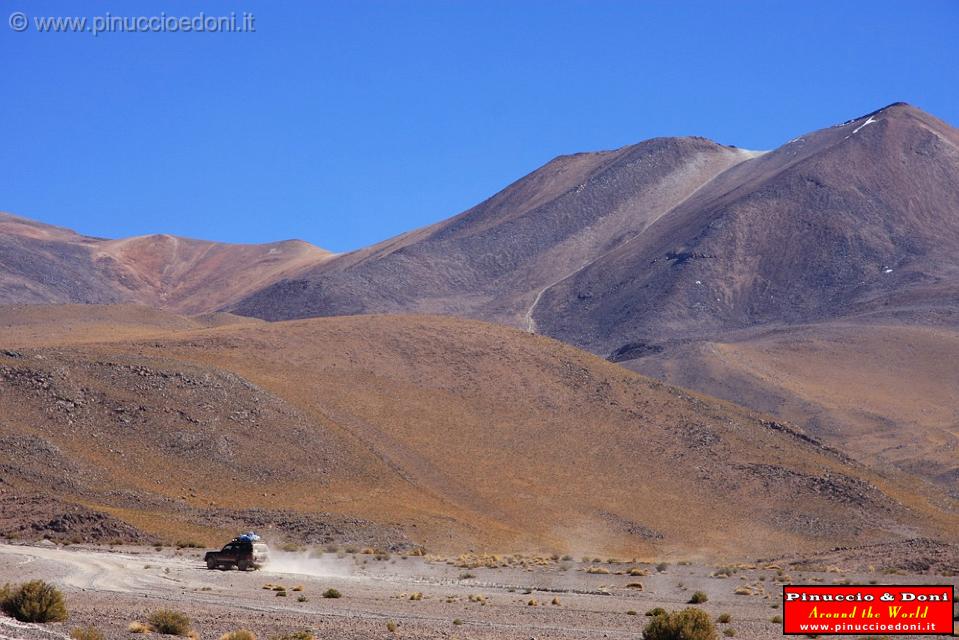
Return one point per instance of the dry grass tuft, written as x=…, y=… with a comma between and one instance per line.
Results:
x=169, y=622
x=86, y=633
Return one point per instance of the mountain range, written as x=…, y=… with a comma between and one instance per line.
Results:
x=816, y=285
x=615, y=252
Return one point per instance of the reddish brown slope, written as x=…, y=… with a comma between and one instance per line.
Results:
x=43, y=264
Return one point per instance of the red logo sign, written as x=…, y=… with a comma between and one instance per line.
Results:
x=868, y=609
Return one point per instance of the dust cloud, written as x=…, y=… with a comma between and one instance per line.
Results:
x=306, y=563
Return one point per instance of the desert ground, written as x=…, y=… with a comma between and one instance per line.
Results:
x=424, y=597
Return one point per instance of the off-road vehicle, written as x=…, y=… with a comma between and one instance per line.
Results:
x=242, y=552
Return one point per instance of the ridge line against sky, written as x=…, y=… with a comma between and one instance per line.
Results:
x=347, y=124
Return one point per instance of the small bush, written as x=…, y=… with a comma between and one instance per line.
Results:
x=86, y=633
x=391, y=626
x=688, y=624
x=138, y=627
x=239, y=634
x=302, y=598
x=724, y=618
x=169, y=622
x=416, y=596
x=729, y=632
x=662, y=566
x=657, y=611
x=631, y=612
x=776, y=619
x=34, y=601
x=457, y=622
x=280, y=594
x=600, y=570
x=332, y=593
x=296, y=635
x=188, y=544
x=698, y=598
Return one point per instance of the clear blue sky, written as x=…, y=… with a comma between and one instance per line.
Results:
x=344, y=123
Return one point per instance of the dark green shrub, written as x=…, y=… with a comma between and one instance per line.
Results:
x=688, y=624
x=332, y=593
x=34, y=601
x=724, y=618
x=657, y=611
x=698, y=598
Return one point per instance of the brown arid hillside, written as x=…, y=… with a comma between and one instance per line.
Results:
x=44, y=264
x=56, y=324
x=885, y=393
x=411, y=430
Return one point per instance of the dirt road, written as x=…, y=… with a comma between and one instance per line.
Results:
x=110, y=589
